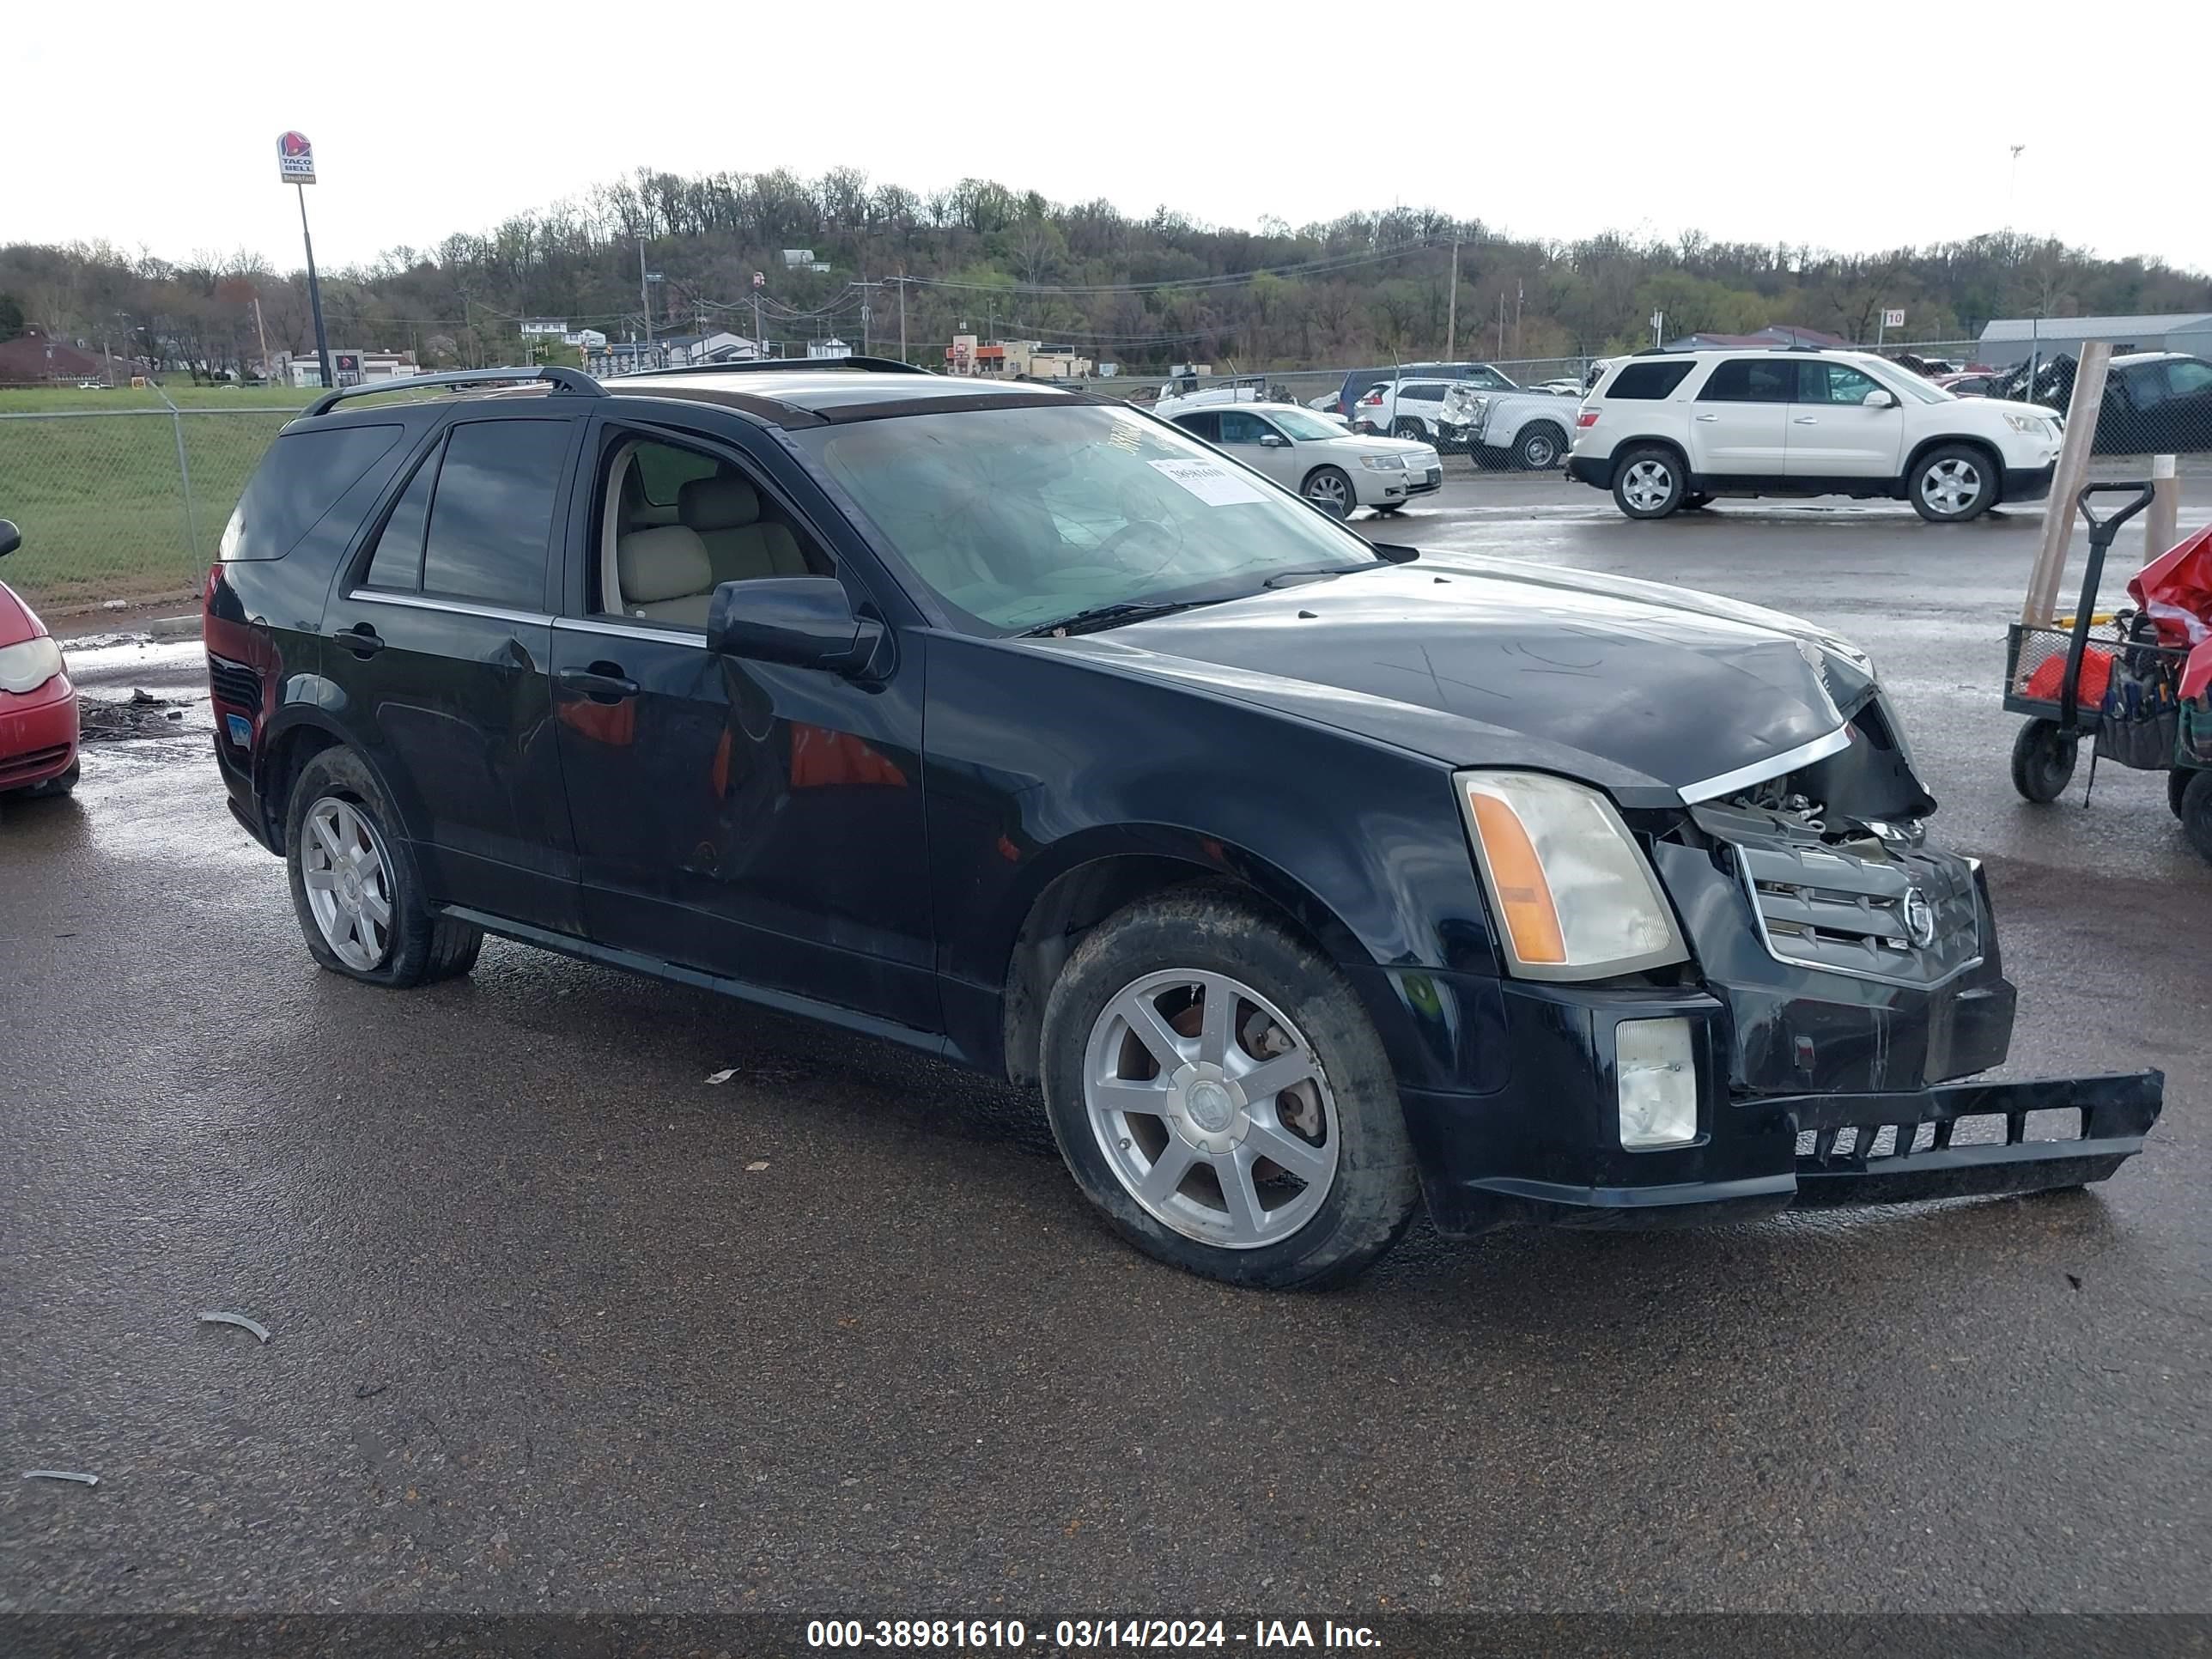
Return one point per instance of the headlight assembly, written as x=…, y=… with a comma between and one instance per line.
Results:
x=1572, y=894
x=28, y=666
x=1384, y=462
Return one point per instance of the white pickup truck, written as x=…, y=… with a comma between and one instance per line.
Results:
x=1527, y=428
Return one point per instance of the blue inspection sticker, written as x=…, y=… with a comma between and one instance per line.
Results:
x=241, y=730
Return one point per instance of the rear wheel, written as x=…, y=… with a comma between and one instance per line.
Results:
x=355, y=887
x=1412, y=431
x=1953, y=484
x=1540, y=447
x=1219, y=1094
x=1649, y=483
x=2043, y=761
x=1330, y=489
x=2196, y=813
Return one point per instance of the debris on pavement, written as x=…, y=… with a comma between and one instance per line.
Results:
x=722, y=1076
x=239, y=1319
x=141, y=716
x=61, y=1475
x=755, y=1166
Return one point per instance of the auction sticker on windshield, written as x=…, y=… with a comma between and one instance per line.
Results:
x=1215, y=486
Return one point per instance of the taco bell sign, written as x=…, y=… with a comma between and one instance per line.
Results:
x=296, y=158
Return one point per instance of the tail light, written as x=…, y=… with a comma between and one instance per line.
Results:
x=1374, y=398
x=1587, y=418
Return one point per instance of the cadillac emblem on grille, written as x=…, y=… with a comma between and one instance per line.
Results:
x=1919, y=919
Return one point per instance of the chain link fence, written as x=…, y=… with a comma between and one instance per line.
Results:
x=123, y=507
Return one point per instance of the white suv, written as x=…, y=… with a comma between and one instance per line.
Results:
x=1665, y=430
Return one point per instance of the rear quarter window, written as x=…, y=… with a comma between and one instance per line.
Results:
x=300, y=480
x=1649, y=382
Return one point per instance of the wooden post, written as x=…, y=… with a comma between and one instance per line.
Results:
x=2162, y=518
x=2072, y=473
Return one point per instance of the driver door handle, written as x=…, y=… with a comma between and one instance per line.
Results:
x=361, y=639
x=1709, y=417
x=603, y=682
x=1807, y=420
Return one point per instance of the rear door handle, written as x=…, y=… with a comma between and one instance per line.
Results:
x=1807, y=420
x=361, y=639
x=603, y=682
x=1709, y=417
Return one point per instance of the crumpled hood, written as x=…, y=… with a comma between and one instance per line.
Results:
x=1628, y=684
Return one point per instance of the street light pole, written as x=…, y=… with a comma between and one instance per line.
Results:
x=645, y=303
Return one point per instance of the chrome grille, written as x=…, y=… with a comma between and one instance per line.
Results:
x=1829, y=908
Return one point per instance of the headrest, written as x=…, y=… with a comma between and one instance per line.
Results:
x=721, y=502
x=666, y=561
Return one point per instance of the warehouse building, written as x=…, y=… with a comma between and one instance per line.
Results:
x=2013, y=339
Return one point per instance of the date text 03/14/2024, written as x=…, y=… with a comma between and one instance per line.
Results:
x=1083, y=1634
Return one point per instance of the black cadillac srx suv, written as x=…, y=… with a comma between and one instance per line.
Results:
x=1308, y=880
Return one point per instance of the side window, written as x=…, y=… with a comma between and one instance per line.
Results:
x=676, y=522
x=491, y=522
x=1207, y=425
x=1425, y=394
x=1238, y=427
x=1650, y=382
x=396, y=563
x=1749, y=380
x=1821, y=382
x=2189, y=377
x=2147, y=385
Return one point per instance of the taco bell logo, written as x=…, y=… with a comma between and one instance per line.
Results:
x=296, y=158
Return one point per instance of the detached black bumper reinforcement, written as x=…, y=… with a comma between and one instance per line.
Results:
x=1869, y=1149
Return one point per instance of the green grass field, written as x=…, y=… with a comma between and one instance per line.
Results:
x=97, y=491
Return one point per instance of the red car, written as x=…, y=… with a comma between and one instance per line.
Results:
x=37, y=704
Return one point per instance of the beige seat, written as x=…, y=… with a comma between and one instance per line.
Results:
x=665, y=576
x=726, y=512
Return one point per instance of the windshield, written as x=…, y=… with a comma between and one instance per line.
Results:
x=1302, y=426
x=1906, y=384
x=1017, y=517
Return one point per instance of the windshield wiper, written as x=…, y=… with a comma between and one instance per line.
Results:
x=1113, y=616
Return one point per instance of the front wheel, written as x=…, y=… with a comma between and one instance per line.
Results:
x=1540, y=447
x=2043, y=761
x=1649, y=484
x=1220, y=1096
x=1953, y=484
x=1330, y=490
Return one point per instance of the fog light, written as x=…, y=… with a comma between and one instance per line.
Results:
x=1658, y=1082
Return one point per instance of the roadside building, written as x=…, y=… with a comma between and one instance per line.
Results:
x=2014, y=339
x=349, y=367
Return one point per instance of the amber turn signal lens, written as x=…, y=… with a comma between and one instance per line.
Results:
x=1523, y=892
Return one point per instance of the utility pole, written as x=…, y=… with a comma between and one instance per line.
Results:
x=902, y=356
x=1501, y=322
x=1520, y=292
x=645, y=299
x=2012, y=187
x=1451, y=307
x=261, y=330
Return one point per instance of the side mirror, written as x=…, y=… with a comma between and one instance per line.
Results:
x=11, y=538
x=802, y=622
x=1273, y=441
x=1879, y=399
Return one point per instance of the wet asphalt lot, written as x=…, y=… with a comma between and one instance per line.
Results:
x=542, y=1340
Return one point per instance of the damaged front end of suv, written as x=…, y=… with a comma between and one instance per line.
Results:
x=1803, y=1043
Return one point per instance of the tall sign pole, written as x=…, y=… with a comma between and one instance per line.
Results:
x=1452, y=308
x=295, y=166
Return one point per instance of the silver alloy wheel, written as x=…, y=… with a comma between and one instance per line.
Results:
x=1647, y=486
x=1330, y=491
x=349, y=880
x=1211, y=1107
x=1950, y=486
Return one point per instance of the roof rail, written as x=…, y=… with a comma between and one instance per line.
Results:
x=784, y=365
x=562, y=379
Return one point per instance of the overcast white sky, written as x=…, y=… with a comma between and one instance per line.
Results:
x=1855, y=127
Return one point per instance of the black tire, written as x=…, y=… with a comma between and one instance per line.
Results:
x=1649, y=482
x=1540, y=447
x=1939, y=477
x=2197, y=812
x=60, y=784
x=2043, y=761
x=421, y=948
x=1374, y=1187
x=1336, y=497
